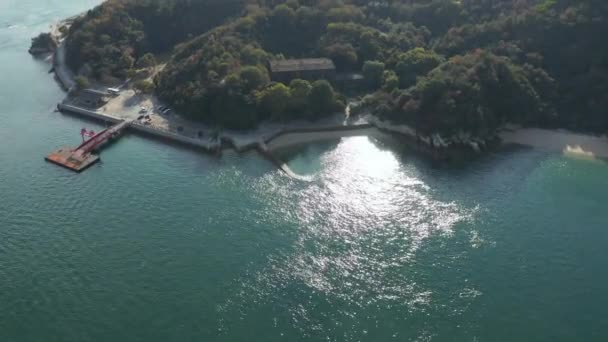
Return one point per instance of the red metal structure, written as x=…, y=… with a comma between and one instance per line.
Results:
x=81, y=157
x=100, y=138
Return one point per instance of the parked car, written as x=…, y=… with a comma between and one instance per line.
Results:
x=114, y=91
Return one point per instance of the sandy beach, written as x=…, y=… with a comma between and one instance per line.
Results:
x=558, y=141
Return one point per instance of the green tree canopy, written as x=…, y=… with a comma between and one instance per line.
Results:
x=477, y=92
x=373, y=71
x=415, y=63
x=298, y=103
x=146, y=61
x=549, y=54
x=81, y=82
x=323, y=100
x=274, y=101
x=144, y=86
x=253, y=77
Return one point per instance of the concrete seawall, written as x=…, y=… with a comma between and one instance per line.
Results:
x=209, y=147
x=265, y=146
x=282, y=138
x=138, y=127
x=91, y=114
x=63, y=74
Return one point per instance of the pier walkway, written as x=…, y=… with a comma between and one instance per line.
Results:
x=81, y=157
x=101, y=138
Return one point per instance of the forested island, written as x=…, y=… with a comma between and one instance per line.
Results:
x=440, y=66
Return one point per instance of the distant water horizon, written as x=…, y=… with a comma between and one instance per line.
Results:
x=160, y=243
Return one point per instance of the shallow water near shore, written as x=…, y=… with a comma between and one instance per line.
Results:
x=160, y=243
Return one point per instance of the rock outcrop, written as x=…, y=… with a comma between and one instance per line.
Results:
x=44, y=43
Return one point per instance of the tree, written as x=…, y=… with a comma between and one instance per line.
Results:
x=373, y=71
x=253, y=78
x=345, y=14
x=298, y=101
x=81, y=82
x=144, y=86
x=126, y=61
x=280, y=30
x=131, y=73
x=546, y=54
x=467, y=93
x=343, y=55
x=274, y=101
x=322, y=100
x=43, y=43
x=415, y=63
x=369, y=46
x=390, y=81
x=146, y=61
x=233, y=82
x=232, y=110
x=245, y=25
x=101, y=35
x=282, y=15
x=253, y=56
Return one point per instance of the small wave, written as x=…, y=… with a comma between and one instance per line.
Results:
x=475, y=240
x=469, y=293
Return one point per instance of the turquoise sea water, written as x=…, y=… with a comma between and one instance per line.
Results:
x=159, y=243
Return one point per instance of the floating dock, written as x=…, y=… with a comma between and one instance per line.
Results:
x=80, y=158
x=67, y=158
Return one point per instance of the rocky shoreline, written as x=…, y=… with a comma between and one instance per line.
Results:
x=43, y=44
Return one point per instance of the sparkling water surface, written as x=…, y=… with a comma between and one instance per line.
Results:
x=161, y=243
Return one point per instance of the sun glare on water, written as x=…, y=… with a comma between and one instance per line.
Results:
x=362, y=221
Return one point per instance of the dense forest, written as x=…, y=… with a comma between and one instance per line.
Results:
x=439, y=65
